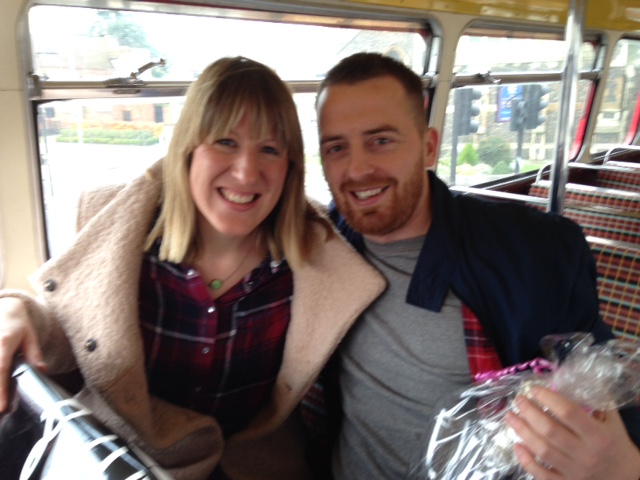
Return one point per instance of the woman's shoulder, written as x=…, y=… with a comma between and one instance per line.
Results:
x=93, y=201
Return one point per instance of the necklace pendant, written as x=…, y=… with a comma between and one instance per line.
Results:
x=215, y=284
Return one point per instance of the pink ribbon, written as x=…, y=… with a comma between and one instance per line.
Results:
x=537, y=365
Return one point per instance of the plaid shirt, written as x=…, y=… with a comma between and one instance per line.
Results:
x=481, y=354
x=218, y=357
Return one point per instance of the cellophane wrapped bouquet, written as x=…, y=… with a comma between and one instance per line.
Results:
x=468, y=437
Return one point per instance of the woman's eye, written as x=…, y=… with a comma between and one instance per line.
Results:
x=271, y=150
x=227, y=142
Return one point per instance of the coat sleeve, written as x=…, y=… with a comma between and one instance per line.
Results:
x=53, y=342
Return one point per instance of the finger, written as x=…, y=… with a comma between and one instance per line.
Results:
x=548, y=441
x=7, y=349
x=530, y=465
x=569, y=413
x=4, y=393
x=31, y=350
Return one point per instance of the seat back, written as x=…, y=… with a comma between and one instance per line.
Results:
x=618, y=265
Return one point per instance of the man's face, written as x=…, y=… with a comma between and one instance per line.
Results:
x=374, y=156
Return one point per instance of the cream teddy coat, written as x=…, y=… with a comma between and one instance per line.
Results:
x=86, y=315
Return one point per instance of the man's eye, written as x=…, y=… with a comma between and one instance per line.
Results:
x=334, y=149
x=381, y=141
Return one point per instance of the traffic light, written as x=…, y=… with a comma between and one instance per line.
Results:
x=467, y=109
x=534, y=104
x=517, y=115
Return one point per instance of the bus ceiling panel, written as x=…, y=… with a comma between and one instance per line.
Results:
x=343, y=11
x=306, y=12
x=623, y=16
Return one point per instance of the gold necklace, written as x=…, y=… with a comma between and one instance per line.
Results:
x=216, y=283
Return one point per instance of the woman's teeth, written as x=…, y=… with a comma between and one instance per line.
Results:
x=238, y=197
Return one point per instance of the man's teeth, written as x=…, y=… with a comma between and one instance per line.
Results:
x=238, y=197
x=364, y=194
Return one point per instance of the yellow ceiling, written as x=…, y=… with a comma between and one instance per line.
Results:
x=614, y=14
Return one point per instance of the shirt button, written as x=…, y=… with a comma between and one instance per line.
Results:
x=191, y=272
x=91, y=345
x=205, y=350
x=50, y=285
x=211, y=309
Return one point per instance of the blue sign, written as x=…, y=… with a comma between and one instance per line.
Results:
x=506, y=94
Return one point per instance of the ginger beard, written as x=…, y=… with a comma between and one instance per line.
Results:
x=390, y=215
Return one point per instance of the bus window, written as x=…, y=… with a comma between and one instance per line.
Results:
x=85, y=144
x=89, y=135
x=619, y=103
x=507, y=124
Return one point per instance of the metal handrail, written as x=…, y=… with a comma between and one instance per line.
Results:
x=499, y=194
x=607, y=156
x=559, y=169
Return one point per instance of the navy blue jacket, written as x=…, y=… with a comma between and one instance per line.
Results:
x=524, y=273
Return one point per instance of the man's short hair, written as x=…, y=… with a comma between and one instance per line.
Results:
x=364, y=66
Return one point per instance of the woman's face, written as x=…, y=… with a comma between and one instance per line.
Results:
x=236, y=181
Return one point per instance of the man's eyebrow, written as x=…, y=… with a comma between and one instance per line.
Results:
x=381, y=129
x=331, y=138
x=372, y=131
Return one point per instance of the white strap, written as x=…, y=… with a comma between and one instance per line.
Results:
x=54, y=413
x=49, y=415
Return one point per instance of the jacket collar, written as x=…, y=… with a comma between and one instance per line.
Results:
x=440, y=253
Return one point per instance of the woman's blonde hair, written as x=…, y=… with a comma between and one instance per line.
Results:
x=214, y=105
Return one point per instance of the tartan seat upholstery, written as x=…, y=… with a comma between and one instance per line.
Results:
x=618, y=265
x=601, y=212
x=578, y=195
x=622, y=180
x=610, y=219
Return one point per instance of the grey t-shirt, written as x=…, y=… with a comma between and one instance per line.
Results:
x=397, y=363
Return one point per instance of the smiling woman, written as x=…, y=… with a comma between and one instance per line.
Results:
x=200, y=342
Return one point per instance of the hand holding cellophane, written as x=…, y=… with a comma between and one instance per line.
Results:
x=468, y=437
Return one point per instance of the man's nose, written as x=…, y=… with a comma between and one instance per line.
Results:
x=360, y=164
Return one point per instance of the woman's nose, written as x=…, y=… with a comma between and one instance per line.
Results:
x=246, y=166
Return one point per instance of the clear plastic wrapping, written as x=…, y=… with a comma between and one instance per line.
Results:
x=468, y=437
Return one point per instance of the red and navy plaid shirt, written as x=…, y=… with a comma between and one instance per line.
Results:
x=218, y=357
x=481, y=354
